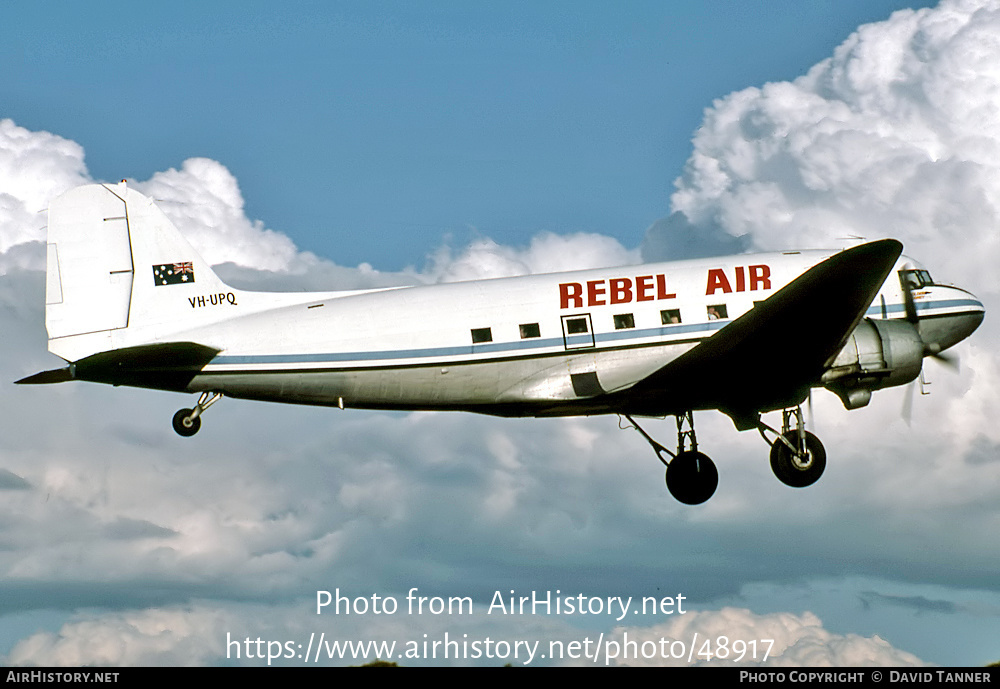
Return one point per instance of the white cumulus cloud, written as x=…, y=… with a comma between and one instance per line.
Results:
x=204, y=199
x=35, y=167
x=897, y=134
x=177, y=637
x=547, y=253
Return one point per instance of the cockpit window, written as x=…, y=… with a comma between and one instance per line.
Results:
x=915, y=279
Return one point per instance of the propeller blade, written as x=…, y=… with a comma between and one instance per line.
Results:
x=950, y=361
x=907, y=412
x=908, y=304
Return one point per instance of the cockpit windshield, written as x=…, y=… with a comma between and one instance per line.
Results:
x=915, y=279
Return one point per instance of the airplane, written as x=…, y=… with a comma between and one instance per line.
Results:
x=130, y=302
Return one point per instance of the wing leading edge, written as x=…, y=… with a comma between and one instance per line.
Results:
x=769, y=357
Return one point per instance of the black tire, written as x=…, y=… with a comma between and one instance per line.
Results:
x=184, y=425
x=795, y=472
x=692, y=478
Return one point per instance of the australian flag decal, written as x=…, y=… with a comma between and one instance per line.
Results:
x=173, y=273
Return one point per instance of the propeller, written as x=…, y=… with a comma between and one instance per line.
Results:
x=931, y=349
x=951, y=361
x=907, y=412
x=908, y=304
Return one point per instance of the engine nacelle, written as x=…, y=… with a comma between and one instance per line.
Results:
x=879, y=354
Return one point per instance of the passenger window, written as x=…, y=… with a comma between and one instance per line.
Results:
x=717, y=312
x=481, y=335
x=624, y=321
x=575, y=326
x=670, y=316
x=530, y=330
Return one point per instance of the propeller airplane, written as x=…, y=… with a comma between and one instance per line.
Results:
x=130, y=302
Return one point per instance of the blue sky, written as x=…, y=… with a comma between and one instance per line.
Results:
x=369, y=131
x=348, y=145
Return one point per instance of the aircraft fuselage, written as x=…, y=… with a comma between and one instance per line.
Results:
x=534, y=345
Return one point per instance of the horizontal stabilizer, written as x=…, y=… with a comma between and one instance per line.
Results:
x=163, y=366
x=57, y=375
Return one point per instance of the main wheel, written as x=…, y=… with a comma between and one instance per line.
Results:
x=796, y=471
x=184, y=424
x=692, y=477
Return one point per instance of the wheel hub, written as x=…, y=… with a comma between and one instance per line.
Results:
x=802, y=461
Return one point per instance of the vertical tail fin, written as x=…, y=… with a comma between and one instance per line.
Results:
x=119, y=273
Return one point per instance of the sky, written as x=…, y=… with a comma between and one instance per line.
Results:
x=349, y=145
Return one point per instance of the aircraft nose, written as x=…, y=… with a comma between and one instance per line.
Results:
x=959, y=314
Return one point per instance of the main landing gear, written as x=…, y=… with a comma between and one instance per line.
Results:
x=691, y=476
x=797, y=457
x=187, y=422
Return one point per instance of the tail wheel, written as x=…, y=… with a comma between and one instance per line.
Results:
x=692, y=477
x=184, y=424
x=801, y=469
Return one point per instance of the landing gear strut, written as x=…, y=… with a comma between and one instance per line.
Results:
x=797, y=456
x=187, y=422
x=691, y=476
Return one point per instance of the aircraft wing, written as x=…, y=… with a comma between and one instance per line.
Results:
x=769, y=357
